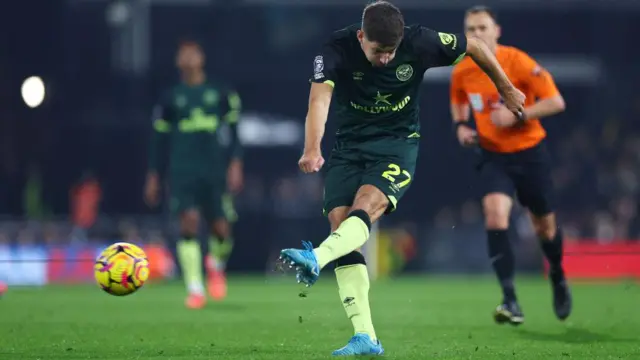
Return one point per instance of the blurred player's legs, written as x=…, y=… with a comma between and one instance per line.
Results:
x=220, y=240
x=185, y=192
x=190, y=258
x=220, y=246
x=3, y=288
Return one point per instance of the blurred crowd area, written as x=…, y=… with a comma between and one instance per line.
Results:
x=73, y=170
x=597, y=177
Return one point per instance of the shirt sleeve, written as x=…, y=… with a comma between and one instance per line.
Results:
x=232, y=117
x=326, y=64
x=536, y=78
x=162, y=120
x=234, y=107
x=456, y=91
x=437, y=48
x=162, y=115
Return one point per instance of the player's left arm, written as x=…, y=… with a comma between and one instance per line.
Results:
x=232, y=118
x=540, y=81
x=163, y=125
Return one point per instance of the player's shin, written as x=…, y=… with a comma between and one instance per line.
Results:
x=353, y=286
x=220, y=250
x=350, y=236
x=553, y=249
x=502, y=261
x=190, y=258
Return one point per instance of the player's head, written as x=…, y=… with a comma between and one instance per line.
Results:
x=482, y=22
x=190, y=56
x=381, y=33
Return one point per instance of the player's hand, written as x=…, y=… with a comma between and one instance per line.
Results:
x=311, y=161
x=514, y=100
x=467, y=136
x=503, y=117
x=235, y=177
x=152, y=190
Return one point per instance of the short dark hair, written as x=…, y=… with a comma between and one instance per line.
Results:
x=478, y=9
x=382, y=22
x=187, y=42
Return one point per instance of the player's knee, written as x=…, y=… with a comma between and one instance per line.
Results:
x=496, y=217
x=496, y=220
x=371, y=200
x=221, y=229
x=352, y=258
x=189, y=222
x=497, y=208
x=545, y=226
x=337, y=216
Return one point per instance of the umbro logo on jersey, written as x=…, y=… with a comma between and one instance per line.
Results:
x=348, y=300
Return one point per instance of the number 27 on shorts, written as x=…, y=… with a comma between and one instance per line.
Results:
x=394, y=172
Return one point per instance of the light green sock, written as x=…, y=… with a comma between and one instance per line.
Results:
x=220, y=250
x=350, y=236
x=353, y=286
x=190, y=257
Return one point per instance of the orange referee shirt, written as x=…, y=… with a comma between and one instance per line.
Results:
x=470, y=85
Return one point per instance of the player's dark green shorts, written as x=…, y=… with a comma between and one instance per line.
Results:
x=387, y=163
x=208, y=194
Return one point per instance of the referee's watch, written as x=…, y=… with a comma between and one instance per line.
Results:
x=457, y=124
x=521, y=116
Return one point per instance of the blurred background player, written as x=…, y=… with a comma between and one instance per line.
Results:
x=514, y=158
x=201, y=169
x=376, y=69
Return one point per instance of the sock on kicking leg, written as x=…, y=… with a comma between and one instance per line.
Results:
x=553, y=249
x=190, y=258
x=353, y=287
x=503, y=262
x=220, y=250
x=351, y=235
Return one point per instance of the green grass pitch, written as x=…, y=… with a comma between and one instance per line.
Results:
x=416, y=318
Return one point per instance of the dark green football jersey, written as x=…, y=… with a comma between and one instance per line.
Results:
x=189, y=117
x=374, y=101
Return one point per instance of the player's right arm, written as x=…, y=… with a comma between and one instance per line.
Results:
x=319, y=102
x=161, y=128
x=325, y=68
x=486, y=60
x=460, y=111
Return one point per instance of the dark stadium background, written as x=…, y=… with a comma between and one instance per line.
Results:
x=104, y=66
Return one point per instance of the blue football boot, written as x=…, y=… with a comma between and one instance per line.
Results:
x=305, y=262
x=360, y=344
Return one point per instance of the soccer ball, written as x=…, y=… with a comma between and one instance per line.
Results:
x=121, y=269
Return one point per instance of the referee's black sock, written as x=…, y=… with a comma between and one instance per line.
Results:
x=553, y=249
x=503, y=262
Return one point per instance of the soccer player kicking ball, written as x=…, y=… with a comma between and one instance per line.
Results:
x=200, y=173
x=514, y=158
x=374, y=71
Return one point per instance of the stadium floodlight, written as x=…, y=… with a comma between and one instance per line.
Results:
x=33, y=91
